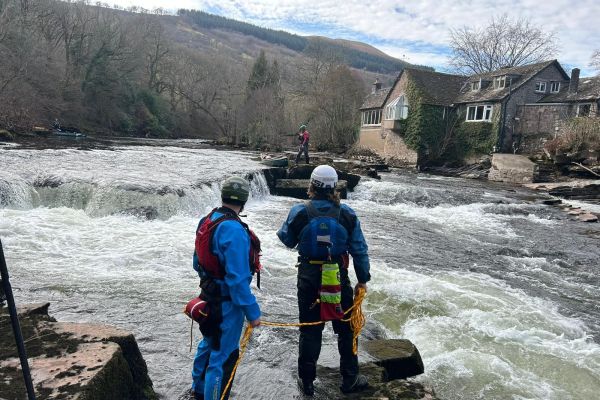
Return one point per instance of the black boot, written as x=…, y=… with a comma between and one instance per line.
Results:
x=354, y=384
x=308, y=387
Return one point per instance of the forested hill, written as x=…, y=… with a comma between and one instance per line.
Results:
x=373, y=60
x=138, y=72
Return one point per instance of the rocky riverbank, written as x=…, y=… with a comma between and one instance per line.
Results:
x=72, y=360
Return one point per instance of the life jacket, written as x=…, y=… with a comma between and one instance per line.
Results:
x=323, y=237
x=208, y=260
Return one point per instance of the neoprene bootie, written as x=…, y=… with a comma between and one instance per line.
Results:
x=358, y=384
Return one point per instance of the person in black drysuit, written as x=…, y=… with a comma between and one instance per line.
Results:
x=346, y=237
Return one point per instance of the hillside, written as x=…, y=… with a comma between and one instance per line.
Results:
x=355, y=54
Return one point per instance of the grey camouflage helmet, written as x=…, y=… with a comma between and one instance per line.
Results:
x=235, y=188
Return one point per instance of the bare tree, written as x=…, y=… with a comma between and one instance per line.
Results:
x=502, y=43
x=595, y=62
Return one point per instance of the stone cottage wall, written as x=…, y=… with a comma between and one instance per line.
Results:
x=526, y=94
x=538, y=123
x=388, y=145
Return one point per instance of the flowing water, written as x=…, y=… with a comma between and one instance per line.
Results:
x=500, y=295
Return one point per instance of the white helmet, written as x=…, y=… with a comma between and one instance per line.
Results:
x=324, y=177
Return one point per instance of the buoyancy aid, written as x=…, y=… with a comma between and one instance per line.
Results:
x=323, y=237
x=208, y=260
x=206, y=309
x=323, y=242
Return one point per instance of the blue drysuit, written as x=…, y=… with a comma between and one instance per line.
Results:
x=231, y=244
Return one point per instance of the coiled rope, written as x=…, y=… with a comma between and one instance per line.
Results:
x=357, y=321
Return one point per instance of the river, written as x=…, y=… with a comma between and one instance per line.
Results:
x=500, y=294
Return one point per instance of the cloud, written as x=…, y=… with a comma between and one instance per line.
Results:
x=411, y=28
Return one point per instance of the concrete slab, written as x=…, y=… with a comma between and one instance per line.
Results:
x=512, y=168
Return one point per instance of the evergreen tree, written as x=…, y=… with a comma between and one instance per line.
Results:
x=260, y=73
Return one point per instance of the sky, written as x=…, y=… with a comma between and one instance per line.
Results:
x=416, y=31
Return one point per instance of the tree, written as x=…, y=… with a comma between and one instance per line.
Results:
x=502, y=43
x=259, y=77
x=595, y=62
x=263, y=111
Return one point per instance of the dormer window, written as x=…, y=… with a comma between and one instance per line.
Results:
x=540, y=87
x=554, y=87
x=476, y=85
x=500, y=82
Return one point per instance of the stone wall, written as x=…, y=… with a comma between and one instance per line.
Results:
x=388, y=145
x=538, y=123
x=526, y=94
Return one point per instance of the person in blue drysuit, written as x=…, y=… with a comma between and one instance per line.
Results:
x=344, y=236
x=225, y=270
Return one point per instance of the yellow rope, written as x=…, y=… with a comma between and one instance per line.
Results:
x=357, y=318
x=357, y=322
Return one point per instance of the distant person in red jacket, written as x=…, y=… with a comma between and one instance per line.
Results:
x=303, y=137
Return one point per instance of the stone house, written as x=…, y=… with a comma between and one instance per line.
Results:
x=385, y=111
x=494, y=97
x=478, y=113
x=540, y=121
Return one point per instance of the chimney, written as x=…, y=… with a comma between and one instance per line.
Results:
x=574, y=82
x=376, y=85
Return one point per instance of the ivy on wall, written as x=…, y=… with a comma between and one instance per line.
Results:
x=425, y=123
x=437, y=137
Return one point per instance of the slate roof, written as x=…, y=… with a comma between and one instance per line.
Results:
x=588, y=90
x=437, y=88
x=376, y=100
x=487, y=93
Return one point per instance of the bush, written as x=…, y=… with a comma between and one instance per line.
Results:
x=577, y=134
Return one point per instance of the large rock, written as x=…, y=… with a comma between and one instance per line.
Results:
x=298, y=187
x=272, y=175
x=69, y=360
x=588, y=217
x=90, y=333
x=580, y=189
x=512, y=168
x=399, y=357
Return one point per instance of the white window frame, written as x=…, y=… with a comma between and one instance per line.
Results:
x=579, y=109
x=499, y=82
x=553, y=85
x=397, y=109
x=371, y=117
x=475, y=86
x=487, y=110
x=541, y=86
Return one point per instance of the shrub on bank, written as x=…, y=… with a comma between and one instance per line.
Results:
x=577, y=134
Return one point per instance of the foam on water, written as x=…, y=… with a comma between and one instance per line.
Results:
x=484, y=339
x=105, y=182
